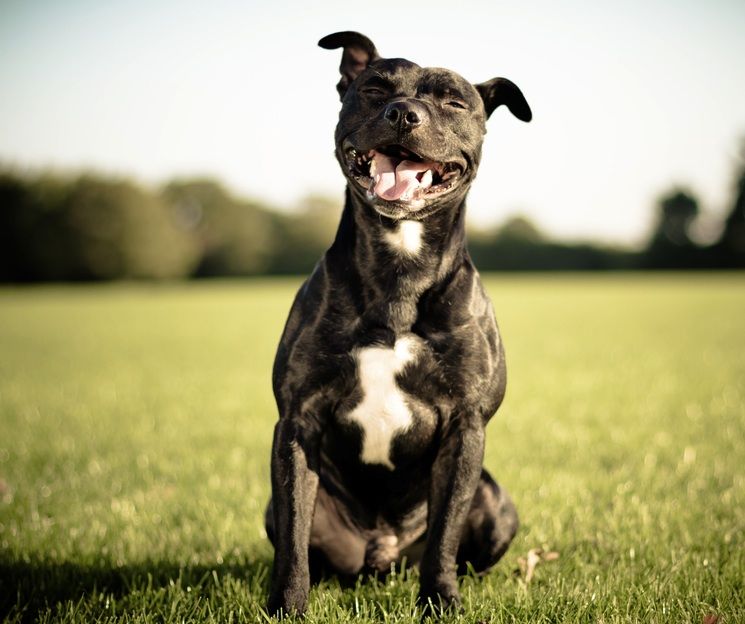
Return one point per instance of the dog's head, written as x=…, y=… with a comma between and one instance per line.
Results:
x=409, y=137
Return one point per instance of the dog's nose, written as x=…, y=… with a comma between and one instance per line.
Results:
x=403, y=115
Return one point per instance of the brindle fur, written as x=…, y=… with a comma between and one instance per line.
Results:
x=438, y=506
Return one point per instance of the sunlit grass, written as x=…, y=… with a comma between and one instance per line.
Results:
x=135, y=426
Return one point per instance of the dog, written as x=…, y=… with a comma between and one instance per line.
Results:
x=390, y=363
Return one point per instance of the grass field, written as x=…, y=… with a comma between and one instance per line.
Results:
x=135, y=426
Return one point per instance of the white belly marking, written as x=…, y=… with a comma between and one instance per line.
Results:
x=383, y=412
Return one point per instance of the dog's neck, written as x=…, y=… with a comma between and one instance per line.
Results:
x=397, y=262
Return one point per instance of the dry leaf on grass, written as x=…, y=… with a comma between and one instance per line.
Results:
x=528, y=564
x=712, y=618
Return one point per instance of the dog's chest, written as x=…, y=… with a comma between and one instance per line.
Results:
x=385, y=411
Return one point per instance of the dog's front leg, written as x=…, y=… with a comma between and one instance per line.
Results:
x=455, y=475
x=294, y=486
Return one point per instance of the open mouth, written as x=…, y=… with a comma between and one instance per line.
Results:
x=394, y=173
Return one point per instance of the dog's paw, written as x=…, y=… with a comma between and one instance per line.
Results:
x=287, y=600
x=438, y=597
x=381, y=552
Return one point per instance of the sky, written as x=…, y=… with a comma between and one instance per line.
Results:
x=629, y=98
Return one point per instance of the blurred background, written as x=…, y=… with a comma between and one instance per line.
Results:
x=169, y=139
x=153, y=141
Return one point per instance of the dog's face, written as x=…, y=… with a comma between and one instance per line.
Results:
x=409, y=137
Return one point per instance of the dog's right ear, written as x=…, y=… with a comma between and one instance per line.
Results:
x=359, y=52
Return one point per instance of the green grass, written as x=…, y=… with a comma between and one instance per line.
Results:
x=135, y=427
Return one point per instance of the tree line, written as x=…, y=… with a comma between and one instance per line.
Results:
x=56, y=227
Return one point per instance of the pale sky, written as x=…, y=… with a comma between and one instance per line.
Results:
x=629, y=98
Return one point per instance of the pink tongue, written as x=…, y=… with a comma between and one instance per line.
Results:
x=393, y=182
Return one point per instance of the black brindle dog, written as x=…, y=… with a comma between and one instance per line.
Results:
x=391, y=364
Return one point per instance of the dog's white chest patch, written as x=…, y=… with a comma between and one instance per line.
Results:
x=406, y=238
x=383, y=412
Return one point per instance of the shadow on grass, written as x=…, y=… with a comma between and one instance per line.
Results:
x=30, y=588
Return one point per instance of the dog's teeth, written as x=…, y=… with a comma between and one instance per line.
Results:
x=373, y=169
x=426, y=181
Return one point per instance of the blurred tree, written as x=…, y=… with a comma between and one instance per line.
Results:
x=55, y=228
x=670, y=246
x=34, y=238
x=122, y=231
x=236, y=237
x=305, y=233
x=18, y=216
x=519, y=228
x=730, y=250
x=519, y=245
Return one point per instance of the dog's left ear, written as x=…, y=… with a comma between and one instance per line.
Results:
x=359, y=52
x=498, y=91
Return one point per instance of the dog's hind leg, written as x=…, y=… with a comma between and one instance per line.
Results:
x=335, y=546
x=335, y=540
x=490, y=526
